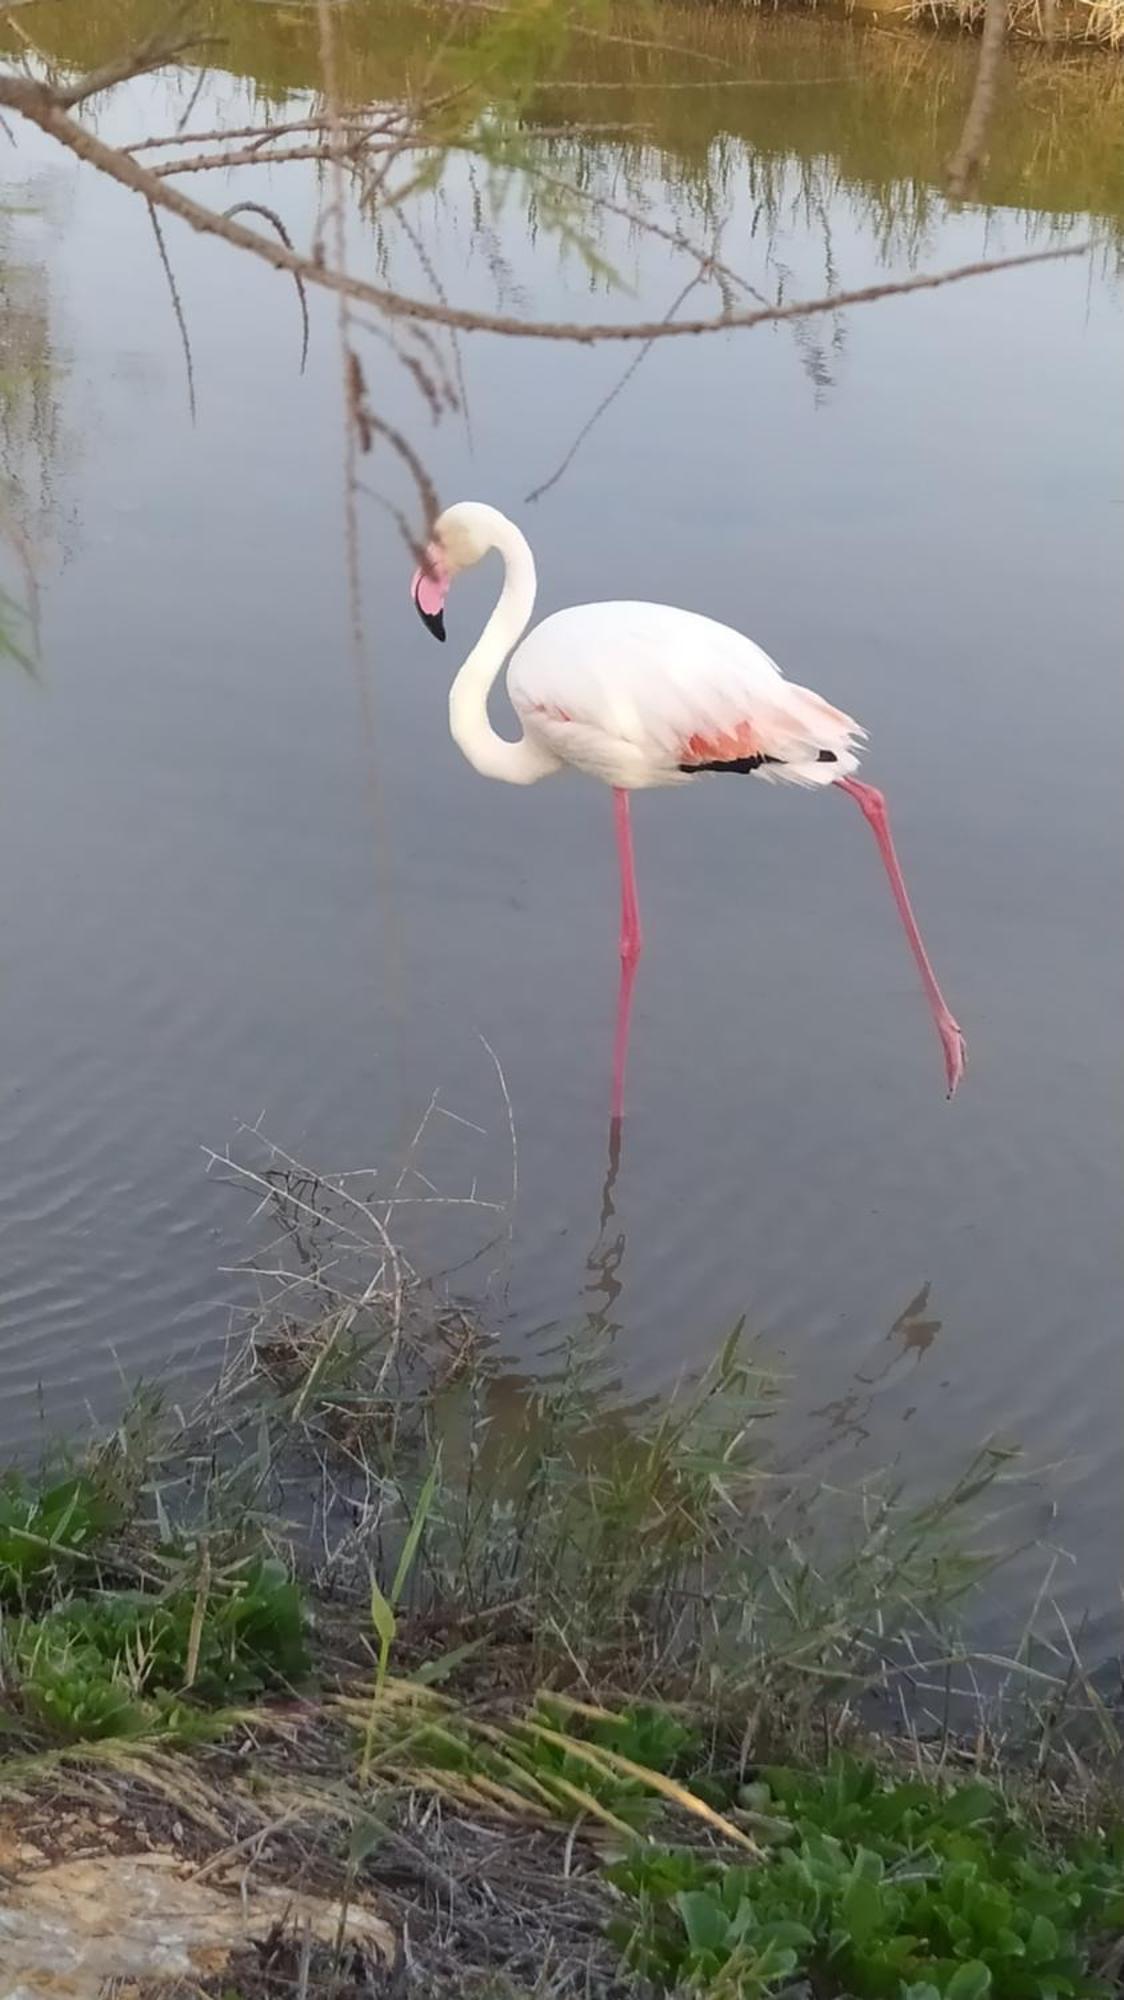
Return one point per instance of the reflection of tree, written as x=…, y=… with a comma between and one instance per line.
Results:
x=28, y=411
x=29, y=433
x=774, y=89
x=473, y=92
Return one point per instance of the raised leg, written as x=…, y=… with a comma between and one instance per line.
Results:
x=872, y=805
x=632, y=944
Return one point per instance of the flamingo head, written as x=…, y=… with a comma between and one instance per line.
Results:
x=459, y=539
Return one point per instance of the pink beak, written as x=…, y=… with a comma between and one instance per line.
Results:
x=429, y=589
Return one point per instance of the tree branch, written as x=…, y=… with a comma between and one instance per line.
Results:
x=260, y=133
x=262, y=156
x=47, y=108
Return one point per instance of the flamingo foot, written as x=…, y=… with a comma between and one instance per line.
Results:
x=872, y=805
x=955, y=1050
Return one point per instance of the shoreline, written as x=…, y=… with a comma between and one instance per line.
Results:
x=352, y=1689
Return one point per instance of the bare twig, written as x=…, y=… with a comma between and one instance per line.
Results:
x=969, y=151
x=610, y=396
x=260, y=133
x=426, y=262
x=427, y=492
x=510, y=1113
x=201, y=82
x=177, y=307
x=270, y=215
x=258, y=156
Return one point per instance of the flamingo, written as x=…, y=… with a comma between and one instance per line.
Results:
x=640, y=695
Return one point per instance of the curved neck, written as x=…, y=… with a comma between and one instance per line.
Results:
x=518, y=763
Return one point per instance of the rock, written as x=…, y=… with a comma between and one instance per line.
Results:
x=66, y=1930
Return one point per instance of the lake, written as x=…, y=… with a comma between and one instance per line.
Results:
x=229, y=897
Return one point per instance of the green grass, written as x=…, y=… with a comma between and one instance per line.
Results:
x=49, y=1533
x=126, y=1662
x=901, y=1890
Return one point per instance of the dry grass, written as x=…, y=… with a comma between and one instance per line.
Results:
x=1100, y=22
x=1105, y=23
x=474, y=1899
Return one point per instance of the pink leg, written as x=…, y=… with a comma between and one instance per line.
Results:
x=872, y=805
x=632, y=944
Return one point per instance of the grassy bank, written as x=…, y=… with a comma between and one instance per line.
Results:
x=509, y=1689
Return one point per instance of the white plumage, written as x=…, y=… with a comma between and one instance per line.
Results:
x=633, y=693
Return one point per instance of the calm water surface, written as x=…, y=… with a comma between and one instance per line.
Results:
x=915, y=507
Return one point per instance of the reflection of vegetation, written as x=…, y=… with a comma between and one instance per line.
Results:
x=14, y=622
x=885, y=109
x=843, y=105
x=1094, y=20
x=29, y=441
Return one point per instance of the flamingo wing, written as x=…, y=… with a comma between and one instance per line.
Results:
x=647, y=694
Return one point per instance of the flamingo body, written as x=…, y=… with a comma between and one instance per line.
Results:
x=646, y=694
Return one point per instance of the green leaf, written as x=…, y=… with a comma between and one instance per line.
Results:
x=969, y=1982
x=440, y=1668
x=861, y=1909
x=969, y=1806
x=743, y=1922
x=415, y=1532
x=736, y=1885
x=1010, y=1944
x=900, y=1949
x=366, y=1835
x=776, y=1962
x=704, y=1921
x=1042, y=1944
x=783, y=1931
x=382, y=1616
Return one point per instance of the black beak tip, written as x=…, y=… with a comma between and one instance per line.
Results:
x=434, y=621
